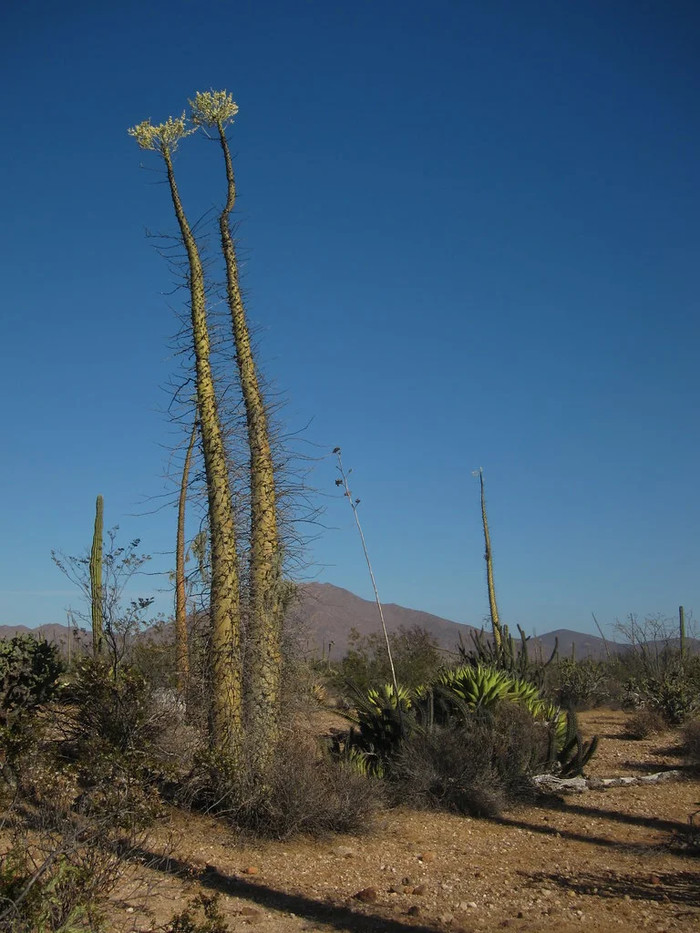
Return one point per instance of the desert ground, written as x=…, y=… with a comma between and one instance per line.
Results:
x=623, y=859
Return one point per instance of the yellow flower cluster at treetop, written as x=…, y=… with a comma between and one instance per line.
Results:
x=213, y=108
x=161, y=138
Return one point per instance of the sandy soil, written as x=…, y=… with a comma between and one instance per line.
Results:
x=614, y=859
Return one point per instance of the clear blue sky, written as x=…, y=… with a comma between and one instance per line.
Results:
x=470, y=233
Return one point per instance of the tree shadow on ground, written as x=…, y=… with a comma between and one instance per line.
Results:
x=268, y=898
x=559, y=832
x=677, y=887
x=672, y=751
x=649, y=767
x=614, y=816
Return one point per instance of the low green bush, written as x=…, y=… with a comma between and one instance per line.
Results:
x=55, y=895
x=29, y=679
x=29, y=672
x=469, y=740
x=416, y=653
x=674, y=693
x=578, y=684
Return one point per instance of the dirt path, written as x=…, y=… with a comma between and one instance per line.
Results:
x=605, y=860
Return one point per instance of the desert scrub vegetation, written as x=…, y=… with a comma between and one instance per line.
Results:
x=469, y=740
x=655, y=669
x=690, y=735
x=644, y=723
x=68, y=812
x=416, y=654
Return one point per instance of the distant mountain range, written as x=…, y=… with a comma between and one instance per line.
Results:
x=325, y=615
x=328, y=613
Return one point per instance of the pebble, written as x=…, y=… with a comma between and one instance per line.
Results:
x=428, y=856
x=344, y=852
x=419, y=889
x=367, y=895
x=251, y=870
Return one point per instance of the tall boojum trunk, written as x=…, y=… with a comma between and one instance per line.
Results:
x=493, y=608
x=263, y=645
x=182, y=654
x=96, y=587
x=224, y=604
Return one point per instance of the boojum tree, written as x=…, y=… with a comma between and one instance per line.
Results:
x=488, y=557
x=96, y=593
x=182, y=653
x=215, y=111
x=224, y=598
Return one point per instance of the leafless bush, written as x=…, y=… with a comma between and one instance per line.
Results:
x=691, y=741
x=472, y=769
x=644, y=723
x=306, y=791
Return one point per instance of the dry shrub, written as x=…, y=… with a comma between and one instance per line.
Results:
x=306, y=791
x=472, y=768
x=202, y=915
x=691, y=741
x=644, y=723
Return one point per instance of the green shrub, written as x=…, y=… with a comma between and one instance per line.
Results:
x=29, y=672
x=416, y=653
x=579, y=684
x=54, y=891
x=113, y=708
x=674, y=693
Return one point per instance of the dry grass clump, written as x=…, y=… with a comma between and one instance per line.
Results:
x=475, y=768
x=645, y=723
x=691, y=741
x=306, y=791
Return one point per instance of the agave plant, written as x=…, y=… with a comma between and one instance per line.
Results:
x=384, y=717
x=481, y=687
x=381, y=719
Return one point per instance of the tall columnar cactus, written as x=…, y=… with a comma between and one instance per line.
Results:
x=181, y=642
x=224, y=603
x=96, y=589
x=216, y=110
x=493, y=607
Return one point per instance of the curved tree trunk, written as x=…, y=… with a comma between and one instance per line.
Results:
x=263, y=645
x=224, y=605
